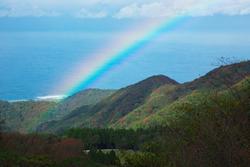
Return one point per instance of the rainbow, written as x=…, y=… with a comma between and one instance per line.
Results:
x=119, y=50
x=91, y=70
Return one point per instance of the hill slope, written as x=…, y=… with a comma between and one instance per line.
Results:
x=134, y=106
x=25, y=116
x=82, y=98
x=110, y=109
x=218, y=79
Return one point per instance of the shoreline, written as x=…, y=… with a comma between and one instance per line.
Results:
x=49, y=98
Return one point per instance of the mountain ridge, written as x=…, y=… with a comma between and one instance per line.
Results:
x=108, y=114
x=130, y=107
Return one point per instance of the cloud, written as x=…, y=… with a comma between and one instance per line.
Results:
x=146, y=10
x=122, y=8
x=83, y=13
x=187, y=7
x=25, y=13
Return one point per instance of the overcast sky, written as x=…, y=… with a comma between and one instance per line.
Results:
x=121, y=8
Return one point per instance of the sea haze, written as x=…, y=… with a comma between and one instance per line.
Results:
x=35, y=55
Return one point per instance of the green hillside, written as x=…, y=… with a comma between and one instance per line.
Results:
x=147, y=102
x=25, y=116
x=221, y=78
x=110, y=109
x=82, y=98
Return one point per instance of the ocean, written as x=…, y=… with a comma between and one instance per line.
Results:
x=33, y=62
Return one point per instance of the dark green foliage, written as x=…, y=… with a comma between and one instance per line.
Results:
x=18, y=150
x=108, y=158
x=79, y=162
x=106, y=138
x=141, y=159
x=9, y=159
x=127, y=139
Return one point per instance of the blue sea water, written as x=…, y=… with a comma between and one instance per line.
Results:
x=33, y=62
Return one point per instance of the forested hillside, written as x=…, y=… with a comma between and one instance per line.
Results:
x=141, y=105
x=25, y=116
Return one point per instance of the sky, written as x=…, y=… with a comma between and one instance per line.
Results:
x=50, y=41
x=120, y=8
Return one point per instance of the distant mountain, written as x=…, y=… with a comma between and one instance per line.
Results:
x=25, y=116
x=222, y=77
x=82, y=98
x=139, y=104
x=125, y=100
x=146, y=103
x=218, y=79
x=111, y=109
